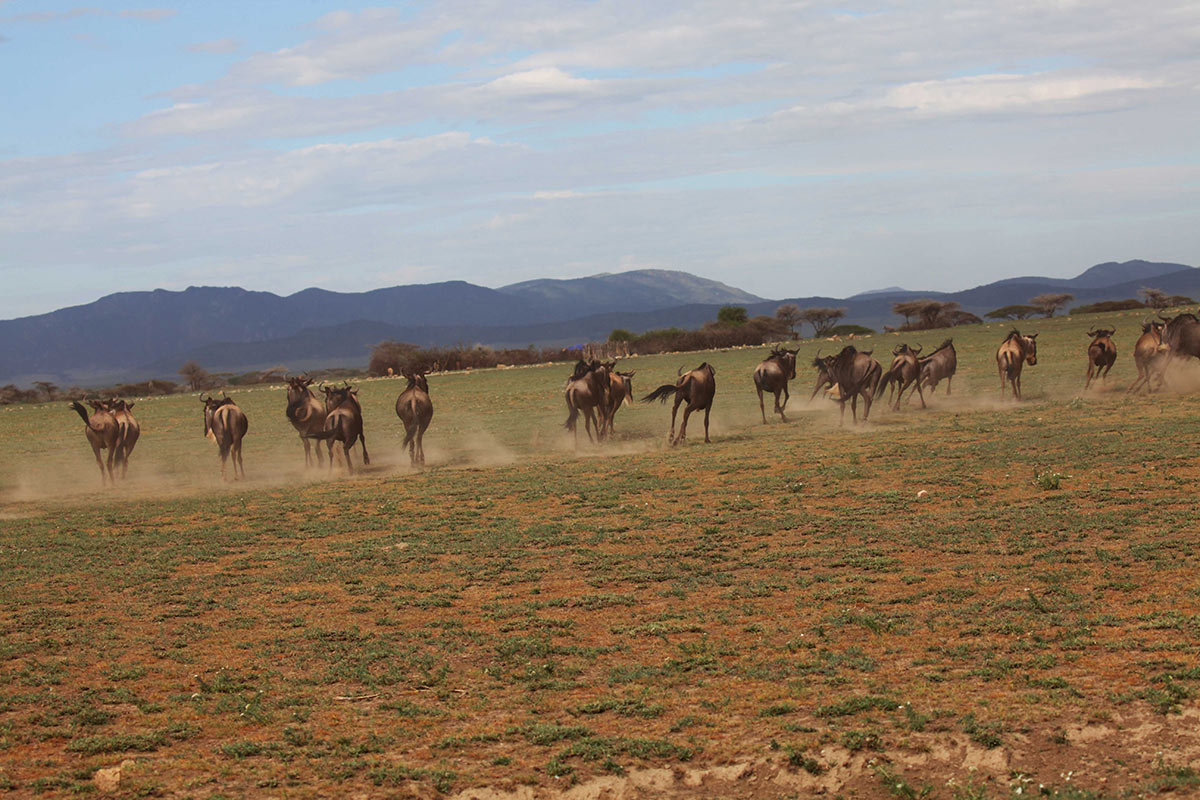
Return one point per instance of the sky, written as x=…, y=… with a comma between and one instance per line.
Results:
x=786, y=148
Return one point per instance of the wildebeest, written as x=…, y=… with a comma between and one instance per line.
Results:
x=102, y=431
x=587, y=393
x=1181, y=335
x=620, y=392
x=772, y=375
x=939, y=365
x=904, y=372
x=855, y=374
x=697, y=388
x=1102, y=354
x=225, y=424
x=1149, y=353
x=305, y=412
x=343, y=423
x=1014, y=352
x=128, y=432
x=415, y=410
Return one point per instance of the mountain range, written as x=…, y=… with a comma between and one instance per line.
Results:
x=138, y=335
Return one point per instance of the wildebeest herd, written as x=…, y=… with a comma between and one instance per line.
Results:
x=596, y=390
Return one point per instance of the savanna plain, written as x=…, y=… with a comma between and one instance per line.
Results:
x=982, y=599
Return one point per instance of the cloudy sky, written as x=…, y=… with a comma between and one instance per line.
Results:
x=788, y=148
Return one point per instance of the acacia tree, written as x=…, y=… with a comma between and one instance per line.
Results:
x=47, y=388
x=1050, y=302
x=822, y=319
x=195, y=375
x=1012, y=312
x=789, y=315
x=929, y=313
x=732, y=315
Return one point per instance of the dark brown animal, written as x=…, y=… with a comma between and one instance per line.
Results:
x=343, y=423
x=305, y=412
x=1014, y=353
x=225, y=424
x=1102, y=354
x=415, y=410
x=772, y=375
x=620, y=392
x=855, y=375
x=1149, y=356
x=128, y=434
x=1181, y=335
x=697, y=389
x=587, y=393
x=939, y=365
x=102, y=431
x=904, y=372
x=823, y=377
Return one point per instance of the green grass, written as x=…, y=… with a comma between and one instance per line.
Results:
x=522, y=613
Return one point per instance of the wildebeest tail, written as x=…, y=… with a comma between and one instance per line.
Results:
x=81, y=411
x=661, y=393
x=882, y=385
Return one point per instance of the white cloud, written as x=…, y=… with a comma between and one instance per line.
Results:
x=1006, y=93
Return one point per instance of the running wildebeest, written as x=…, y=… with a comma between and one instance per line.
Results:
x=103, y=432
x=620, y=392
x=1149, y=353
x=772, y=375
x=343, y=423
x=305, y=412
x=697, y=388
x=855, y=374
x=1014, y=353
x=1181, y=335
x=587, y=393
x=1102, y=354
x=128, y=434
x=941, y=364
x=225, y=424
x=904, y=372
x=415, y=410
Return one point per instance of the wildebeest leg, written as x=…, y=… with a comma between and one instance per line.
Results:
x=421, y=445
x=330, y=454
x=224, y=451
x=346, y=445
x=842, y=418
x=589, y=422
x=1091, y=371
x=687, y=412
x=762, y=409
x=99, y=461
x=706, y=412
x=363, y=441
x=780, y=406
x=854, y=408
x=948, y=379
x=920, y=394
x=674, y=410
x=308, y=451
x=238, y=466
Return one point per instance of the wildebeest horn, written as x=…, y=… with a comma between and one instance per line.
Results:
x=898, y=349
x=679, y=373
x=920, y=347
